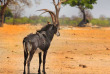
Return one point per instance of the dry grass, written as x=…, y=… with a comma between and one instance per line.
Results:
x=78, y=46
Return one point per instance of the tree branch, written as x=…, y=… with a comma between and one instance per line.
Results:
x=5, y=5
x=54, y=3
x=1, y=3
x=81, y=8
x=4, y=1
x=57, y=7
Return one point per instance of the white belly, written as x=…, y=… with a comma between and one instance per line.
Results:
x=38, y=50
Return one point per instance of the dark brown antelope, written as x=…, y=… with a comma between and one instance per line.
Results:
x=42, y=39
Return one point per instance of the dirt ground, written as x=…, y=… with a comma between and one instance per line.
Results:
x=76, y=51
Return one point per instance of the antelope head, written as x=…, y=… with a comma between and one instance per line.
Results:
x=55, y=16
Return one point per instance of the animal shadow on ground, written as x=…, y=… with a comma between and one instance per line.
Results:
x=34, y=73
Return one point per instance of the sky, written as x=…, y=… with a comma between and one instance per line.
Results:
x=101, y=8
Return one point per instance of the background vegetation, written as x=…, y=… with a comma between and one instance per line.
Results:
x=34, y=20
x=13, y=14
x=15, y=18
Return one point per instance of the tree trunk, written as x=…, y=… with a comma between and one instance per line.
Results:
x=84, y=16
x=3, y=7
x=13, y=20
x=1, y=18
x=84, y=20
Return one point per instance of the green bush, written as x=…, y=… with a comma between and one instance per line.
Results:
x=9, y=20
x=103, y=23
x=63, y=21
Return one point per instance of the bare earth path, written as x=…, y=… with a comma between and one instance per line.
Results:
x=76, y=51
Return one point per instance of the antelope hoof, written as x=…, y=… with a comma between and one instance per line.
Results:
x=23, y=72
x=39, y=72
x=44, y=72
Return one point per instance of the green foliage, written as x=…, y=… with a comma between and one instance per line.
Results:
x=83, y=3
x=68, y=21
x=34, y=20
x=38, y=19
x=24, y=20
x=9, y=20
x=41, y=20
x=7, y=12
x=103, y=23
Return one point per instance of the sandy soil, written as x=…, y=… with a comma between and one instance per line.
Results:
x=76, y=51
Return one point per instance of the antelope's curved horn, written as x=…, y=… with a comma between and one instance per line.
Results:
x=42, y=13
x=53, y=16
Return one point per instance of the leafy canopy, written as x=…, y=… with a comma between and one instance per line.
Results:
x=83, y=3
x=7, y=12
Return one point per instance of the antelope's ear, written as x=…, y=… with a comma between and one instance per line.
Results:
x=54, y=25
x=48, y=22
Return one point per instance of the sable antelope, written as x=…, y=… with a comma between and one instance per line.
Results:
x=40, y=41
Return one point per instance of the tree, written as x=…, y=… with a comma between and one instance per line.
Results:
x=87, y=13
x=17, y=11
x=7, y=13
x=82, y=5
x=5, y=3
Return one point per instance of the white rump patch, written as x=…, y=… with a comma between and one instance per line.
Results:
x=29, y=46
